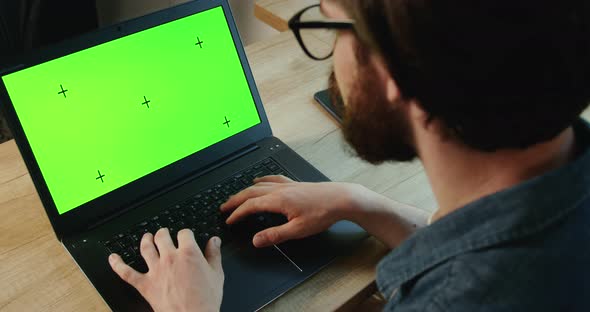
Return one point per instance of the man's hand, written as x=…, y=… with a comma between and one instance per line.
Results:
x=179, y=279
x=311, y=208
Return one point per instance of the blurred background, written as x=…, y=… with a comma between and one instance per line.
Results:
x=26, y=25
x=251, y=29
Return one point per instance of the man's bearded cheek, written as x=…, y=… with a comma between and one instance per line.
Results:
x=373, y=127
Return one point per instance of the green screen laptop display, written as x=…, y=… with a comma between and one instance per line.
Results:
x=101, y=118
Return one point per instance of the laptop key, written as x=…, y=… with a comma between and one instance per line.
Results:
x=273, y=167
x=114, y=247
x=135, y=237
x=203, y=225
x=153, y=227
x=177, y=214
x=246, y=182
x=213, y=208
x=141, y=231
x=205, y=201
x=248, y=175
x=261, y=173
x=170, y=219
x=194, y=209
x=217, y=231
x=192, y=219
x=237, y=186
x=179, y=226
x=127, y=255
x=125, y=243
x=204, y=237
x=257, y=167
x=136, y=250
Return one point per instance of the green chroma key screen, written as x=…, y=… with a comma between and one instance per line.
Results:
x=103, y=117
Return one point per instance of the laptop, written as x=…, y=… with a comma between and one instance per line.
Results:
x=154, y=123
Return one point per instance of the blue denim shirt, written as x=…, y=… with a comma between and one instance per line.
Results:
x=526, y=248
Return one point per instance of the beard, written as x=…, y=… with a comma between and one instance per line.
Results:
x=373, y=127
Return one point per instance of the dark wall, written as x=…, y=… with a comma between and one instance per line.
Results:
x=29, y=24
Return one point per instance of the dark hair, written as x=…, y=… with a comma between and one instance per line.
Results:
x=499, y=74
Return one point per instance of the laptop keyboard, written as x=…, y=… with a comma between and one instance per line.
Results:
x=201, y=214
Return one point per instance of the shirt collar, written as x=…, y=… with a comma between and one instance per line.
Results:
x=514, y=213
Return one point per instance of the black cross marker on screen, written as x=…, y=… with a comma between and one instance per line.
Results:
x=199, y=43
x=147, y=103
x=100, y=177
x=227, y=122
x=62, y=91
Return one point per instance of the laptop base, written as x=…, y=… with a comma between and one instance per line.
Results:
x=253, y=277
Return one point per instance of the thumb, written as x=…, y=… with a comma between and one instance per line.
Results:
x=276, y=235
x=213, y=254
x=125, y=272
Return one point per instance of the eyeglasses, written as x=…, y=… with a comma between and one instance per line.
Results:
x=315, y=33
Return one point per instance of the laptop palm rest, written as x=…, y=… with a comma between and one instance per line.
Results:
x=269, y=272
x=253, y=275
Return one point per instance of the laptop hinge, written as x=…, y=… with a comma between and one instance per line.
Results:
x=11, y=69
x=189, y=178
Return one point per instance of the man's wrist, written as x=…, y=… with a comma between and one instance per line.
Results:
x=356, y=202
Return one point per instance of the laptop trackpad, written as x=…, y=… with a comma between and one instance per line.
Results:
x=253, y=275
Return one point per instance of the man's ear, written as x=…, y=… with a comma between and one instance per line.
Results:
x=392, y=91
x=394, y=95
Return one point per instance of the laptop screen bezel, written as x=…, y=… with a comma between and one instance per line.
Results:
x=114, y=202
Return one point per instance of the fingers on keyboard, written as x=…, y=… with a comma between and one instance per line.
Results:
x=199, y=213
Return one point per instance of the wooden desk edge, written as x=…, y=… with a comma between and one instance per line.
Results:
x=270, y=19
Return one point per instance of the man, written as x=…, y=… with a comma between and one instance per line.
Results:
x=487, y=94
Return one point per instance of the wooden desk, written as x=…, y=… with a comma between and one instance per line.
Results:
x=276, y=13
x=37, y=274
